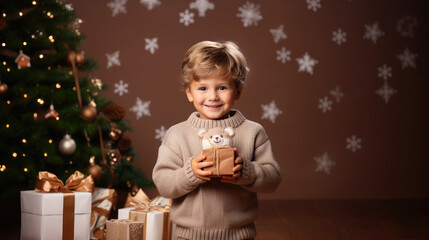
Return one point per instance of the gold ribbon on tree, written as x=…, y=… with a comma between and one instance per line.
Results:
x=49, y=183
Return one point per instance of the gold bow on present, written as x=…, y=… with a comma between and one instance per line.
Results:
x=49, y=183
x=142, y=203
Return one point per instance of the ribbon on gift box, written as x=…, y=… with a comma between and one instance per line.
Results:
x=97, y=227
x=215, y=153
x=49, y=183
x=143, y=204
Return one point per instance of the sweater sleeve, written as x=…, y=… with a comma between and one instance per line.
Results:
x=262, y=173
x=173, y=175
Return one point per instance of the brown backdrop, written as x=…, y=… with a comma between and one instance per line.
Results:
x=392, y=161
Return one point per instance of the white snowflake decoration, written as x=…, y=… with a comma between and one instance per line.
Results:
x=151, y=45
x=337, y=93
x=270, y=111
x=160, y=133
x=306, y=64
x=325, y=104
x=313, y=5
x=249, y=14
x=121, y=88
x=406, y=26
x=384, y=72
x=117, y=6
x=353, y=143
x=141, y=108
x=386, y=92
x=324, y=163
x=407, y=58
x=372, y=32
x=283, y=55
x=113, y=59
x=150, y=4
x=339, y=36
x=186, y=17
x=278, y=34
x=202, y=6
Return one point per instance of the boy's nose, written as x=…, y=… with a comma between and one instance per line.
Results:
x=213, y=95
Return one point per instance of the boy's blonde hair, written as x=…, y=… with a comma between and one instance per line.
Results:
x=207, y=59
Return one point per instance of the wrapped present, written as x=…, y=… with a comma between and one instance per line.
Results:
x=57, y=211
x=223, y=161
x=124, y=229
x=103, y=200
x=155, y=214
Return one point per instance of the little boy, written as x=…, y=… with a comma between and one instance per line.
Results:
x=214, y=74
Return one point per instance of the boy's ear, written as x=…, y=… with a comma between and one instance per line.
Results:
x=238, y=94
x=189, y=94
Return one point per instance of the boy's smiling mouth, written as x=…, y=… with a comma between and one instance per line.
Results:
x=213, y=106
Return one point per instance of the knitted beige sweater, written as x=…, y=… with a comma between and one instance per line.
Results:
x=212, y=209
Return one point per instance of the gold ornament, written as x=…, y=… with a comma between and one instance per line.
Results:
x=71, y=57
x=114, y=156
x=80, y=59
x=89, y=112
x=3, y=88
x=115, y=132
x=129, y=158
x=96, y=172
x=67, y=145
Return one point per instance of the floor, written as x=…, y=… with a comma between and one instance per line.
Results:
x=331, y=220
x=344, y=219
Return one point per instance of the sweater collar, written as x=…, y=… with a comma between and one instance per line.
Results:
x=234, y=121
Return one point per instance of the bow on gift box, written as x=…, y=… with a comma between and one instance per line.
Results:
x=142, y=203
x=49, y=183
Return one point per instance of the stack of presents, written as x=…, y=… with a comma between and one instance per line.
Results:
x=75, y=210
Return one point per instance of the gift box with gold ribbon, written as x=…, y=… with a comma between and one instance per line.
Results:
x=57, y=211
x=155, y=214
x=124, y=229
x=103, y=201
x=223, y=161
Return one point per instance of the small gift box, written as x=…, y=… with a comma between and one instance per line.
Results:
x=54, y=211
x=223, y=161
x=124, y=229
x=155, y=214
x=103, y=200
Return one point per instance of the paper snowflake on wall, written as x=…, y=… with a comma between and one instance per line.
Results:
x=306, y=64
x=270, y=111
x=202, y=6
x=141, y=108
x=324, y=163
x=250, y=14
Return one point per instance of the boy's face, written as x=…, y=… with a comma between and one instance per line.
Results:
x=213, y=97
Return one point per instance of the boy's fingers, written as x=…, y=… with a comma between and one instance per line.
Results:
x=238, y=160
x=205, y=164
x=204, y=173
x=200, y=158
x=237, y=168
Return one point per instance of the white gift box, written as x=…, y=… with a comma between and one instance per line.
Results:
x=42, y=215
x=154, y=223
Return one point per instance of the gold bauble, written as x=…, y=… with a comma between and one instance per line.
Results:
x=88, y=113
x=79, y=59
x=96, y=172
x=115, y=132
x=71, y=57
x=129, y=158
x=3, y=88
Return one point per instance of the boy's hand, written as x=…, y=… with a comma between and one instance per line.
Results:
x=237, y=169
x=197, y=165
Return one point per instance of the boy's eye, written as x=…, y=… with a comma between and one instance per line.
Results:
x=222, y=88
x=202, y=88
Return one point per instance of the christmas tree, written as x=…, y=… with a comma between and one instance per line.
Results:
x=52, y=114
